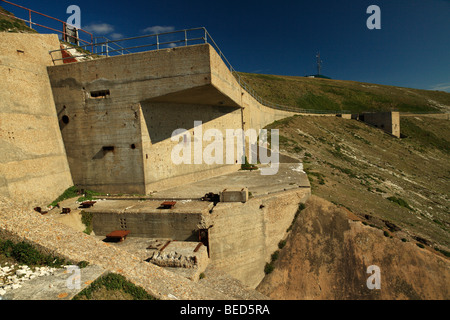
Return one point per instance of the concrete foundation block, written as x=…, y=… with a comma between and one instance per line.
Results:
x=234, y=195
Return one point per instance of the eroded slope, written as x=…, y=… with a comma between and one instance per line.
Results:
x=329, y=250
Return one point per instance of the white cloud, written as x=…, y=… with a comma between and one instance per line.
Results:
x=441, y=87
x=99, y=28
x=115, y=36
x=158, y=29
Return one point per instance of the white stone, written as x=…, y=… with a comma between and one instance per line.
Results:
x=15, y=286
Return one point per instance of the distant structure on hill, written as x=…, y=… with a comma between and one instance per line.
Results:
x=319, y=68
x=317, y=76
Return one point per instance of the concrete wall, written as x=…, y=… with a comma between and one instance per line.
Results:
x=255, y=115
x=33, y=164
x=161, y=119
x=244, y=236
x=150, y=95
x=146, y=218
x=171, y=225
x=387, y=121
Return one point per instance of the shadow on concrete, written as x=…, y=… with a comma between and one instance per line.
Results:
x=162, y=119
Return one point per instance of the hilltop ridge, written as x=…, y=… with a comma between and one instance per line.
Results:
x=352, y=96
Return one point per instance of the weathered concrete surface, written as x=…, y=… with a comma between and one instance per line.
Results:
x=329, y=250
x=137, y=117
x=243, y=236
x=289, y=176
x=59, y=286
x=19, y=224
x=181, y=255
x=387, y=121
x=33, y=164
x=145, y=219
x=147, y=96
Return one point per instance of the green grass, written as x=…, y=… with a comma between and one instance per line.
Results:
x=445, y=253
x=282, y=244
x=268, y=268
x=247, y=166
x=86, y=219
x=400, y=202
x=89, y=195
x=334, y=95
x=13, y=25
x=25, y=253
x=318, y=102
x=114, y=282
x=73, y=192
x=423, y=138
x=301, y=207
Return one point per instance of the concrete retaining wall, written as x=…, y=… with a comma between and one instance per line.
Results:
x=33, y=164
x=244, y=236
x=387, y=121
x=175, y=226
x=146, y=96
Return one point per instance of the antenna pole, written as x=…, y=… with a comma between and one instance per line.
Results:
x=319, y=63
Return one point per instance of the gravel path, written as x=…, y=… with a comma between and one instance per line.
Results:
x=61, y=240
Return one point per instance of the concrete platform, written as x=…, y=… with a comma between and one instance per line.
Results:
x=185, y=206
x=289, y=176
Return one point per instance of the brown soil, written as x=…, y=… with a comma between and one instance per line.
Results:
x=327, y=255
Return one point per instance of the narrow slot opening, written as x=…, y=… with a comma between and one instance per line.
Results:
x=100, y=94
x=108, y=148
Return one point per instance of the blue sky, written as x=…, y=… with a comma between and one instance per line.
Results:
x=412, y=48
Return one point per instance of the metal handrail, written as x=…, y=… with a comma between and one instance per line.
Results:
x=31, y=23
x=107, y=45
x=206, y=38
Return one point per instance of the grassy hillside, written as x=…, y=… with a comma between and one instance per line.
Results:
x=8, y=24
x=400, y=183
x=328, y=94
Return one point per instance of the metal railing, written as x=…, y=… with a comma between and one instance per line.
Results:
x=62, y=31
x=153, y=42
x=108, y=46
x=172, y=39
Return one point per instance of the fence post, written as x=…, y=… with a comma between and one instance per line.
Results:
x=157, y=42
x=29, y=15
x=185, y=38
